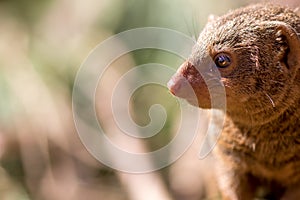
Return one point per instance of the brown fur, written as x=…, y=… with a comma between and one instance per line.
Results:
x=259, y=148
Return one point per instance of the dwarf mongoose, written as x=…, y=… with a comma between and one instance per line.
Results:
x=256, y=50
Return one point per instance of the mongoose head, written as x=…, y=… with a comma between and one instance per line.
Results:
x=256, y=51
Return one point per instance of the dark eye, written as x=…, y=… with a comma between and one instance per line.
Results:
x=222, y=60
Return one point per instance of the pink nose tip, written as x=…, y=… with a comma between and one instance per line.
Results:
x=178, y=86
x=172, y=86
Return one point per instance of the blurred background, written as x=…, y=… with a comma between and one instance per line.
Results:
x=42, y=45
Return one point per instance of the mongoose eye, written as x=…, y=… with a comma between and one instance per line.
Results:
x=222, y=60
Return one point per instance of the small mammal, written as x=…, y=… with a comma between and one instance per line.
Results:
x=256, y=50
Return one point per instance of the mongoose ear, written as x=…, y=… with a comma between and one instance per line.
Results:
x=285, y=31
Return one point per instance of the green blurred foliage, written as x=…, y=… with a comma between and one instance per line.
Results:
x=42, y=45
x=27, y=11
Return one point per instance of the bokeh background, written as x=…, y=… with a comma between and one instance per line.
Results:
x=42, y=45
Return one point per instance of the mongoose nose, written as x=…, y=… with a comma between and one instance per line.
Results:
x=178, y=86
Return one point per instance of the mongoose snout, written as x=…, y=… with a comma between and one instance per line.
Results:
x=188, y=83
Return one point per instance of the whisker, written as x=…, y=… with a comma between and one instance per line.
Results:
x=271, y=100
x=189, y=29
x=261, y=104
x=195, y=26
x=192, y=26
